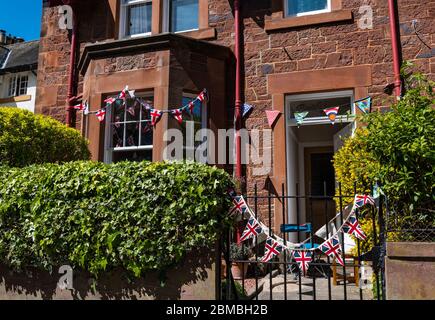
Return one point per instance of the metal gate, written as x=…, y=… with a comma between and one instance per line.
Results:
x=281, y=279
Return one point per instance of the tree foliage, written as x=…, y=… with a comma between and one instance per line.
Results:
x=27, y=139
x=397, y=150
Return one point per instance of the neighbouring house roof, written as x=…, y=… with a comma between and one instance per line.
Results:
x=19, y=57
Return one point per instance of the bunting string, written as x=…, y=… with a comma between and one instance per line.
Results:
x=155, y=114
x=275, y=245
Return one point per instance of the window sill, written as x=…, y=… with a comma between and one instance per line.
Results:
x=16, y=99
x=302, y=21
x=200, y=34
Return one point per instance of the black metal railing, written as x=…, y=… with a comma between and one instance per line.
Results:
x=317, y=284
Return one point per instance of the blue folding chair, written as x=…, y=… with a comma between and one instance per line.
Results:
x=307, y=228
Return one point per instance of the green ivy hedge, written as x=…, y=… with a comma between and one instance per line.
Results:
x=136, y=216
x=26, y=138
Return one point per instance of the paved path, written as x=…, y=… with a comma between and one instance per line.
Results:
x=307, y=289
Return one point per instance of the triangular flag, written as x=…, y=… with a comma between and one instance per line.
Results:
x=272, y=249
x=362, y=200
x=331, y=247
x=240, y=205
x=202, y=96
x=155, y=116
x=131, y=110
x=352, y=226
x=80, y=106
x=364, y=104
x=332, y=113
x=101, y=114
x=109, y=101
x=178, y=115
x=272, y=115
x=253, y=229
x=191, y=107
x=303, y=259
x=300, y=117
x=86, y=109
x=246, y=109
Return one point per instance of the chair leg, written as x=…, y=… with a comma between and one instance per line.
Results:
x=356, y=270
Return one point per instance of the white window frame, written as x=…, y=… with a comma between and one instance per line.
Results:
x=123, y=19
x=20, y=80
x=109, y=149
x=316, y=96
x=167, y=18
x=308, y=13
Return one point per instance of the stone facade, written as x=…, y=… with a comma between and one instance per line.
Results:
x=281, y=56
x=409, y=269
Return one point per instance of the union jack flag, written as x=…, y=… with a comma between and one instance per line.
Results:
x=155, y=116
x=273, y=249
x=101, y=114
x=332, y=113
x=303, y=259
x=191, y=107
x=352, y=226
x=80, y=106
x=202, y=96
x=239, y=205
x=123, y=93
x=362, y=200
x=253, y=229
x=109, y=101
x=332, y=248
x=178, y=115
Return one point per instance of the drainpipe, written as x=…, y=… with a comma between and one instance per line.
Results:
x=70, y=116
x=395, y=43
x=238, y=102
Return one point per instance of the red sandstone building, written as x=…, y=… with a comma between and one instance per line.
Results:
x=295, y=55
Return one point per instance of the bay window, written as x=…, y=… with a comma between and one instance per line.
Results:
x=129, y=133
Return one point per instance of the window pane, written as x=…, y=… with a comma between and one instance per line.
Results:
x=295, y=7
x=184, y=15
x=315, y=107
x=118, y=135
x=146, y=134
x=139, y=18
x=23, y=85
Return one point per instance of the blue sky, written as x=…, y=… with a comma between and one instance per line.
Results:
x=21, y=18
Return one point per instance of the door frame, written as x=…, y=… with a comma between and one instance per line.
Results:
x=289, y=123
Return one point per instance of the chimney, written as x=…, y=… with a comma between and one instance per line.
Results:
x=2, y=37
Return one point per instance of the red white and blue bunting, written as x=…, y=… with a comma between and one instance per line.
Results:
x=155, y=114
x=275, y=246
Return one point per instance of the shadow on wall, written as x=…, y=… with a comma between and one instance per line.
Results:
x=194, y=279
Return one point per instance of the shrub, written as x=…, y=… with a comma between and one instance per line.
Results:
x=396, y=149
x=95, y=217
x=27, y=139
x=403, y=143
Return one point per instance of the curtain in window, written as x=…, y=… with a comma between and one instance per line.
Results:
x=139, y=18
x=300, y=6
x=184, y=15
